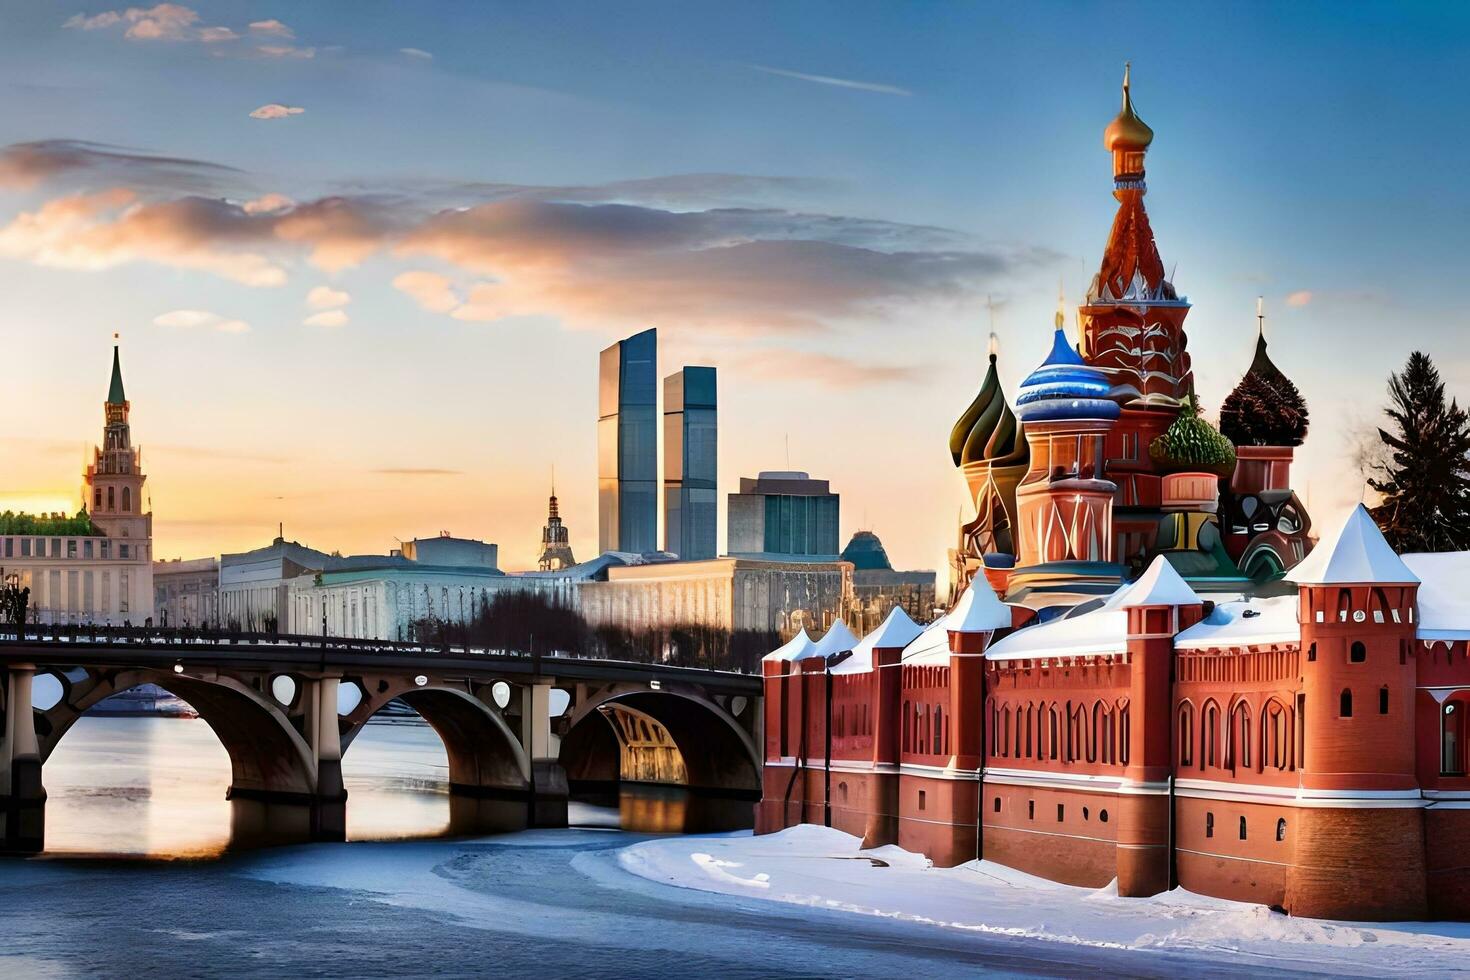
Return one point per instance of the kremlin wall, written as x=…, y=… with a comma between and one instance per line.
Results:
x=1151, y=675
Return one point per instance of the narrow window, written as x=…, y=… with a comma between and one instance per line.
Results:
x=1031, y=810
x=127, y=500
x=1358, y=653
x=1281, y=829
x=1345, y=704
x=1312, y=652
x=1085, y=814
x=1209, y=825
x=1383, y=700
x=921, y=799
x=997, y=804
x=1242, y=828
x=1102, y=815
x=1061, y=812
x=1449, y=760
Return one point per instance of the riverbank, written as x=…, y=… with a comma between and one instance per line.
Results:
x=820, y=868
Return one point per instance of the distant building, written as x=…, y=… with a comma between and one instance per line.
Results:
x=877, y=589
x=448, y=550
x=556, y=548
x=691, y=509
x=96, y=567
x=253, y=584
x=783, y=513
x=186, y=592
x=735, y=594
x=627, y=445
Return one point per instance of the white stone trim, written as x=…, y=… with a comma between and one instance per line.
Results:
x=939, y=772
x=1210, y=789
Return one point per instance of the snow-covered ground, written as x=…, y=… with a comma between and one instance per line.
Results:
x=824, y=868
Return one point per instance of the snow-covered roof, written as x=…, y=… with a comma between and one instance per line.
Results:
x=838, y=639
x=930, y=646
x=978, y=611
x=1356, y=554
x=1100, y=630
x=1273, y=620
x=896, y=632
x=1444, y=603
x=1160, y=585
x=793, y=649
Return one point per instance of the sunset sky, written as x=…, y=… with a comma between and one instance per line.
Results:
x=362, y=255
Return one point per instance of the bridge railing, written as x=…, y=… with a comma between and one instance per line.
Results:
x=202, y=639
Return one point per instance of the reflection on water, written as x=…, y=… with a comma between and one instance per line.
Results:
x=155, y=787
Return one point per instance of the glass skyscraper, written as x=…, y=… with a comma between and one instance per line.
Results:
x=627, y=445
x=690, y=454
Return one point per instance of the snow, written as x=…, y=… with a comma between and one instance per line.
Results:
x=821, y=868
x=793, y=649
x=931, y=646
x=1100, y=630
x=895, y=633
x=1160, y=585
x=1275, y=621
x=978, y=611
x=839, y=639
x=1356, y=554
x=1444, y=603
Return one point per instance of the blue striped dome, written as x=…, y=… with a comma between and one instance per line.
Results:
x=1065, y=387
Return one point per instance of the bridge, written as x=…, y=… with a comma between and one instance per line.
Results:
x=522, y=733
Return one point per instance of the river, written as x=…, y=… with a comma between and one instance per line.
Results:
x=541, y=903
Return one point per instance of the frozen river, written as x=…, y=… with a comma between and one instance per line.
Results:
x=548, y=903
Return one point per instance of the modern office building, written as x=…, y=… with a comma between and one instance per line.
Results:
x=627, y=445
x=783, y=513
x=691, y=511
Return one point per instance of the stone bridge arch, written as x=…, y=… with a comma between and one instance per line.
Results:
x=490, y=773
x=720, y=762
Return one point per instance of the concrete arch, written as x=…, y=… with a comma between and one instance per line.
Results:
x=719, y=756
x=482, y=749
x=267, y=754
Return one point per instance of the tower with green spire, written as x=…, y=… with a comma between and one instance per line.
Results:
x=112, y=489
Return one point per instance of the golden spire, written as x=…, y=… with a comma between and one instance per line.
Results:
x=1061, y=318
x=1127, y=131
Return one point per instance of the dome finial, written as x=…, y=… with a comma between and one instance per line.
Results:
x=1127, y=67
x=1061, y=318
x=1127, y=132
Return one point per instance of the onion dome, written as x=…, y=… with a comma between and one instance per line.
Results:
x=1265, y=409
x=988, y=431
x=1127, y=131
x=1065, y=387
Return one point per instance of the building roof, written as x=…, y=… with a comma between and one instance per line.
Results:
x=930, y=646
x=1246, y=622
x=978, y=611
x=838, y=639
x=895, y=633
x=793, y=649
x=115, y=395
x=1065, y=386
x=1444, y=606
x=1085, y=629
x=988, y=430
x=866, y=552
x=1127, y=131
x=1355, y=554
x=1160, y=585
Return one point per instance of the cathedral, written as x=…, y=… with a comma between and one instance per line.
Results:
x=1150, y=675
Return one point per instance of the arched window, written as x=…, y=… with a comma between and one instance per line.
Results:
x=1281, y=829
x=1123, y=736
x=939, y=746
x=1274, y=738
x=1030, y=725
x=1095, y=731
x=1358, y=653
x=1345, y=704
x=1209, y=730
x=127, y=500
x=1452, y=738
x=908, y=735
x=1238, y=738
x=111, y=499
x=1005, y=728
x=1053, y=726
x=1110, y=737
x=1186, y=734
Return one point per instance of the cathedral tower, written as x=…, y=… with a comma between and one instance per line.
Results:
x=112, y=487
x=556, y=548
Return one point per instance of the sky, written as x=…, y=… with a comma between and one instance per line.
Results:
x=362, y=256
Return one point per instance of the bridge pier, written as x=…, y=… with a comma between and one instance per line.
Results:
x=549, y=793
x=329, y=807
x=23, y=805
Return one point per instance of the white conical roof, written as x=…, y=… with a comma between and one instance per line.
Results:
x=896, y=632
x=978, y=611
x=1356, y=554
x=839, y=639
x=1160, y=585
x=793, y=649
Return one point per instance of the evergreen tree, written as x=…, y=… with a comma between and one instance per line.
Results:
x=1426, y=483
x=1265, y=409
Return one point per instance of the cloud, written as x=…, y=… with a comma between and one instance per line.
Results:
x=190, y=319
x=163, y=22
x=1299, y=298
x=837, y=82
x=268, y=203
x=272, y=28
x=27, y=165
x=433, y=292
x=416, y=53
x=828, y=370
x=326, y=298
x=328, y=318
x=284, y=51
x=274, y=110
